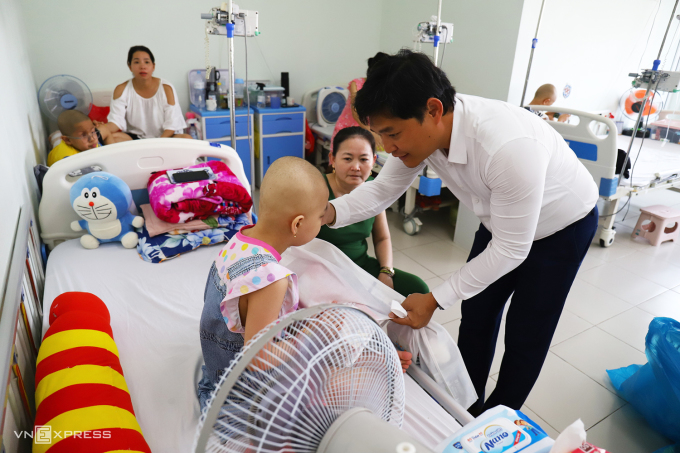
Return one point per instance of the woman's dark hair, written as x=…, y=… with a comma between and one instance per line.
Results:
x=400, y=85
x=350, y=132
x=134, y=49
x=376, y=58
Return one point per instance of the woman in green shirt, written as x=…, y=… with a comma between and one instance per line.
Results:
x=352, y=159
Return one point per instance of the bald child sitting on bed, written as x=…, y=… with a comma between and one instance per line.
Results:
x=78, y=133
x=547, y=95
x=247, y=288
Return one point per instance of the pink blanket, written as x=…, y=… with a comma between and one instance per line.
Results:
x=180, y=203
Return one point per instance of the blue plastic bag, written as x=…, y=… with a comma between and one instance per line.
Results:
x=654, y=388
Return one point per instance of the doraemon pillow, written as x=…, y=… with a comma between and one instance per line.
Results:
x=103, y=201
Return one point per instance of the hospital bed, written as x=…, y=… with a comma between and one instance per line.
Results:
x=658, y=166
x=155, y=308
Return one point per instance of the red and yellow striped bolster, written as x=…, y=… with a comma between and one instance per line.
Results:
x=79, y=320
x=83, y=355
x=81, y=374
x=74, y=301
x=75, y=338
x=82, y=395
x=87, y=419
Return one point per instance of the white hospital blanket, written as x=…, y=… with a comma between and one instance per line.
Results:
x=155, y=313
x=655, y=157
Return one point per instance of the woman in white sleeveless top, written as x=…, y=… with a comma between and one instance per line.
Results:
x=145, y=106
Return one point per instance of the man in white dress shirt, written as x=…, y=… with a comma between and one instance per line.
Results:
x=535, y=200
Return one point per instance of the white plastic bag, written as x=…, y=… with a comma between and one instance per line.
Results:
x=570, y=439
x=438, y=356
x=326, y=275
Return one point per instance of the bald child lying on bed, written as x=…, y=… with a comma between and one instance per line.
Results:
x=247, y=288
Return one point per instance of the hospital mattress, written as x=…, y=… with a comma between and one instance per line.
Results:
x=155, y=312
x=655, y=157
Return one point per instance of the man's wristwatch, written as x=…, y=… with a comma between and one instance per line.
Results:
x=389, y=271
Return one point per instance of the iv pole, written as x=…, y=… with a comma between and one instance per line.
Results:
x=655, y=77
x=230, y=40
x=217, y=17
x=531, y=57
x=436, y=33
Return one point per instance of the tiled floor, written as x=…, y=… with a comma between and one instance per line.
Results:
x=618, y=291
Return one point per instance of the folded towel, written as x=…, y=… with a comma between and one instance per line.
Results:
x=156, y=226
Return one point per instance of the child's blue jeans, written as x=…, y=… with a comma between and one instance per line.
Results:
x=219, y=344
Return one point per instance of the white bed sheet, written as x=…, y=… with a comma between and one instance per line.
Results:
x=155, y=313
x=655, y=157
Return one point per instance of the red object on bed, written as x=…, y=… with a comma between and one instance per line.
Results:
x=98, y=113
x=83, y=403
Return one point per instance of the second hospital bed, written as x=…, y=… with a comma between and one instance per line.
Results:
x=655, y=166
x=156, y=308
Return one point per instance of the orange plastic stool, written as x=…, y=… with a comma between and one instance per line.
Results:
x=663, y=224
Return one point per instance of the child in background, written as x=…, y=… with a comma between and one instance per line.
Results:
x=247, y=288
x=547, y=95
x=78, y=134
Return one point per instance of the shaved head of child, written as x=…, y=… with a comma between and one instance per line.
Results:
x=293, y=200
x=77, y=130
x=545, y=95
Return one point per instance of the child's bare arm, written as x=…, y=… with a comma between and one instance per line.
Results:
x=263, y=307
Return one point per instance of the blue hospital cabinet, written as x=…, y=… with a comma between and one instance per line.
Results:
x=216, y=127
x=278, y=133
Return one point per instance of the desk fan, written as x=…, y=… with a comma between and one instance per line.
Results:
x=330, y=103
x=631, y=104
x=64, y=92
x=325, y=379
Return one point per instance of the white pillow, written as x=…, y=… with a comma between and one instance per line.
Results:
x=55, y=138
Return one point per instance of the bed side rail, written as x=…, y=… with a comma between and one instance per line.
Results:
x=597, y=153
x=440, y=396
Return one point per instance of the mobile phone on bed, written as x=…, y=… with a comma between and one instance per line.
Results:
x=190, y=175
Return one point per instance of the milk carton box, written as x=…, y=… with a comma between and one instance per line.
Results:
x=498, y=430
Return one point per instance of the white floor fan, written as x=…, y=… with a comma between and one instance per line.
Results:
x=325, y=379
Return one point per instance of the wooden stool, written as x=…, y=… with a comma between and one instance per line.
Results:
x=663, y=226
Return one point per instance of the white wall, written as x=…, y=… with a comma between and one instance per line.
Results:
x=591, y=45
x=21, y=132
x=319, y=42
x=480, y=59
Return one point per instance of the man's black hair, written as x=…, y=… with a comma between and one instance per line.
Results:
x=376, y=58
x=134, y=49
x=349, y=132
x=400, y=85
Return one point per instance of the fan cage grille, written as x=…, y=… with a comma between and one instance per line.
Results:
x=631, y=103
x=332, y=106
x=303, y=379
x=57, y=87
